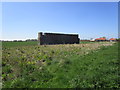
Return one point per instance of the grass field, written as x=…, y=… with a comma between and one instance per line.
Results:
x=28, y=43
x=17, y=44
x=85, y=65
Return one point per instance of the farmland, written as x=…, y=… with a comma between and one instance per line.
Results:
x=17, y=44
x=85, y=65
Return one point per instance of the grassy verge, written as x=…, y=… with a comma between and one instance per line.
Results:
x=97, y=69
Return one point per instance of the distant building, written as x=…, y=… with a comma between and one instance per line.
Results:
x=112, y=39
x=92, y=39
x=100, y=39
x=57, y=38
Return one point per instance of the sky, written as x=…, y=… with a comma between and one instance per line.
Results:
x=23, y=20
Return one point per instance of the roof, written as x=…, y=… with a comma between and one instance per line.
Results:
x=100, y=39
x=112, y=39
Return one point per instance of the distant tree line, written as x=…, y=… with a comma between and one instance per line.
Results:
x=20, y=40
x=31, y=40
x=118, y=39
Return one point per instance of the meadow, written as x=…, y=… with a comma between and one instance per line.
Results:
x=85, y=65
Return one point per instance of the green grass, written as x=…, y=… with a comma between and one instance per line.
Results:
x=92, y=65
x=14, y=44
x=97, y=69
x=84, y=42
x=29, y=43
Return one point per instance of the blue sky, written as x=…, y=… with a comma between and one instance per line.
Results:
x=23, y=20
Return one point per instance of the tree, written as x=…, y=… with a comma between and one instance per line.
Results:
x=102, y=37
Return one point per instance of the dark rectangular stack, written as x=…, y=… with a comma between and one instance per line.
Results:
x=56, y=38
